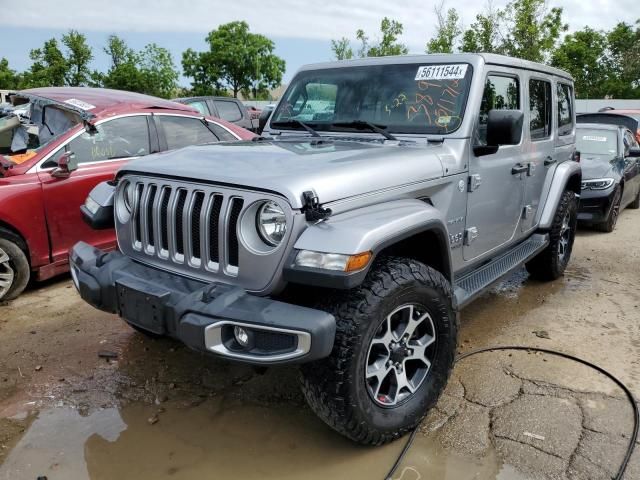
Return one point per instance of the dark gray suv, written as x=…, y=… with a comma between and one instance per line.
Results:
x=227, y=108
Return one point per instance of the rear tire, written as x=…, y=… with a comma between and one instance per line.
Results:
x=610, y=223
x=360, y=390
x=552, y=261
x=14, y=268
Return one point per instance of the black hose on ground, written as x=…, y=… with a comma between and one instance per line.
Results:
x=636, y=414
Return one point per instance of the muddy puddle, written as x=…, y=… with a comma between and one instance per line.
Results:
x=209, y=441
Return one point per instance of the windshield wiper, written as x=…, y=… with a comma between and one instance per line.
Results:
x=362, y=124
x=292, y=122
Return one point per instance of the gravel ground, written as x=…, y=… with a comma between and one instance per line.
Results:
x=83, y=396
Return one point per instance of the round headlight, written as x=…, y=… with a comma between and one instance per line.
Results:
x=272, y=223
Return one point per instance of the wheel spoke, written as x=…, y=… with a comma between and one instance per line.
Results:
x=413, y=324
x=6, y=279
x=403, y=382
x=4, y=258
x=379, y=373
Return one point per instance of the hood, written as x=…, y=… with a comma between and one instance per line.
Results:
x=597, y=166
x=332, y=169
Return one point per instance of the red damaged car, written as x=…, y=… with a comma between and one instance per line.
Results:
x=56, y=144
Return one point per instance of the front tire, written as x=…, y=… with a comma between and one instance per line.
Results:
x=551, y=263
x=14, y=269
x=393, y=353
x=636, y=203
x=610, y=223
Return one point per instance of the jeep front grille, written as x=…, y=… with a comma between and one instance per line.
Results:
x=188, y=223
x=193, y=229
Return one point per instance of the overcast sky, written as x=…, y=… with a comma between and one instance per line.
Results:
x=302, y=30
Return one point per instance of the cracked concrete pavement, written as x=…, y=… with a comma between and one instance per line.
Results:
x=158, y=407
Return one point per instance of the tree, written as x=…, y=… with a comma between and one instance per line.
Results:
x=531, y=29
x=388, y=45
x=157, y=71
x=118, y=51
x=237, y=59
x=342, y=49
x=79, y=55
x=8, y=77
x=624, y=58
x=583, y=54
x=483, y=35
x=448, y=29
x=49, y=67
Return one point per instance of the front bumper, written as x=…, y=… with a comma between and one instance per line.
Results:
x=201, y=315
x=595, y=205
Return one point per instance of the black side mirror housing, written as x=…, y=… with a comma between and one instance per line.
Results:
x=263, y=119
x=504, y=127
x=634, y=152
x=66, y=164
x=97, y=211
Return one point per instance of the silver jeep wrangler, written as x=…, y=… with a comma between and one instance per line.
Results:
x=388, y=193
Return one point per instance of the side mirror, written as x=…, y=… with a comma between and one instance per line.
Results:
x=66, y=164
x=263, y=119
x=97, y=211
x=504, y=127
x=634, y=152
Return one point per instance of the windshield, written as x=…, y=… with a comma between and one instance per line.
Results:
x=405, y=98
x=591, y=141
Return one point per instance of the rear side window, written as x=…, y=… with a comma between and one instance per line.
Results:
x=120, y=138
x=565, y=109
x=228, y=110
x=222, y=133
x=201, y=106
x=184, y=131
x=539, y=109
x=500, y=93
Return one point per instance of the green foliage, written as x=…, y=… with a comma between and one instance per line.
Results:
x=237, y=59
x=8, y=77
x=531, y=29
x=388, y=44
x=448, y=29
x=482, y=35
x=79, y=55
x=342, y=49
x=583, y=55
x=158, y=74
x=49, y=67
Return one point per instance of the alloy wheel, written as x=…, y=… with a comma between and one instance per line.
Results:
x=565, y=237
x=6, y=273
x=400, y=355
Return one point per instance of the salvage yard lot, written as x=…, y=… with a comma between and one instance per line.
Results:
x=67, y=409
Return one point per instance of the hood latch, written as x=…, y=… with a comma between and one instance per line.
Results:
x=312, y=209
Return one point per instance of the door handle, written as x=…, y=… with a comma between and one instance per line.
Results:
x=519, y=168
x=549, y=161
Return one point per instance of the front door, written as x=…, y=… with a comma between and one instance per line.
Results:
x=99, y=155
x=495, y=199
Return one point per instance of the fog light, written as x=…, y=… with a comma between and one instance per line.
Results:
x=241, y=336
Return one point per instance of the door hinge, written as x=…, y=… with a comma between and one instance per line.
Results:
x=475, y=181
x=470, y=234
x=526, y=211
x=531, y=168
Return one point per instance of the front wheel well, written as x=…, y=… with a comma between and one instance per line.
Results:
x=428, y=247
x=575, y=183
x=14, y=235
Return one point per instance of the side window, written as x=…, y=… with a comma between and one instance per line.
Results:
x=539, y=109
x=201, y=106
x=184, y=131
x=565, y=109
x=633, y=143
x=222, y=133
x=228, y=110
x=120, y=138
x=501, y=93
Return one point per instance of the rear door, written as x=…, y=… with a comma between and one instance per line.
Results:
x=540, y=152
x=98, y=155
x=494, y=201
x=177, y=131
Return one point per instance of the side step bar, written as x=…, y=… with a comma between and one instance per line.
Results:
x=470, y=285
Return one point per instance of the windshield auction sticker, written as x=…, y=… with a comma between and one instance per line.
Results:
x=441, y=72
x=79, y=104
